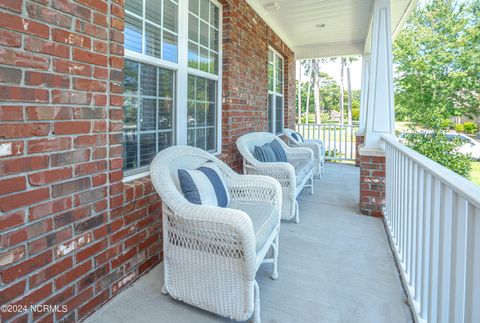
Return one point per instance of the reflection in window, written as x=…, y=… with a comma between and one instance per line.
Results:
x=275, y=92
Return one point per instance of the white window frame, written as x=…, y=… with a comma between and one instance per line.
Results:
x=277, y=55
x=181, y=69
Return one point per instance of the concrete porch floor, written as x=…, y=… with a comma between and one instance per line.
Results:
x=335, y=266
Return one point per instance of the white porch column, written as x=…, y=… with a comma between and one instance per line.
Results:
x=364, y=95
x=380, y=117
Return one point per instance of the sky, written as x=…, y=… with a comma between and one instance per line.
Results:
x=333, y=69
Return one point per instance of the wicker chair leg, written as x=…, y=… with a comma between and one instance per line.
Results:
x=164, y=290
x=297, y=213
x=256, y=308
x=311, y=185
x=275, y=257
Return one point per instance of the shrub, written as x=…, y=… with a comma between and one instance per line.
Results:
x=446, y=124
x=470, y=127
x=436, y=146
x=459, y=127
x=355, y=114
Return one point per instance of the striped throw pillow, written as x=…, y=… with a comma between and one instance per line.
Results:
x=264, y=153
x=280, y=153
x=298, y=137
x=204, y=185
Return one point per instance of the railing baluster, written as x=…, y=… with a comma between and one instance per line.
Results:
x=445, y=253
x=472, y=293
x=433, y=302
x=420, y=189
x=426, y=250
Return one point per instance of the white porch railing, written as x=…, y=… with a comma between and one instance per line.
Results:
x=433, y=219
x=339, y=140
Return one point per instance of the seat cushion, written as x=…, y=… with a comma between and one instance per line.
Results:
x=204, y=185
x=264, y=219
x=302, y=168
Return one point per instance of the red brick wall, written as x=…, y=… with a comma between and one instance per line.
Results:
x=72, y=232
x=246, y=38
x=372, y=185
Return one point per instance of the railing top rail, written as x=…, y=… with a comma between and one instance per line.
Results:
x=466, y=188
x=327, y=124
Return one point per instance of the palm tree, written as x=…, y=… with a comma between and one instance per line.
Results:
x=316, y=90
x=309, y=72
x=299, y=92
x=349, y=87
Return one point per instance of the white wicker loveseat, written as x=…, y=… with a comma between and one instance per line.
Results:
x=211, y=254
x=293, y=175
x=316, y=145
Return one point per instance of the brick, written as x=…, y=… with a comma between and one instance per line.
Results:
x=100, y=19
x=99, y=179
x=90, y=29
x=73, y=68
x=12, y=148
x=72, y=8
x=89, y=141
x=51, y=207
x=66, y=188
x=49, y=240
x=98, y=5
x=100, y=73
x=12, y=292
x=23, y=130
x=72, y=127
x=15, y=5
x=23, y=59
x=71, y=216
x=11, y=220
x=33, y=297
x=73, y=245
x=93, y=303
x=18, y=200
x=10, y=75
x=46, y=47
x=91, y=251
x=100, y=46
x=92, y=277
x=48, y=15
x=90, y=168
x=11, y=113
x=12, y=256
x=14, y=184
x=47, y=80
x=89, y=57
x=90, y=196
x=71, y=97
x=89, y=113
x=10, y=39
x=76, y=301
x=17, y=23
x=89, y=85
x=15, y=93
x=89, y=224
x=70, y=157
x=23, y=164
x=71, y=38
x=48, y=113
x=72, y=274
x=26, y=267
x=49, y=176
x=49, y=144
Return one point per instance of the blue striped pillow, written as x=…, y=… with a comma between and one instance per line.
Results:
x=204, y=185
x=298, y=137
x=280, y=153
x=264, y=153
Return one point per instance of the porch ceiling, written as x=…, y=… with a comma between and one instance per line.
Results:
x=346, y=24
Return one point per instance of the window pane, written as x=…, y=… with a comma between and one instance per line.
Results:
x=130, y=79
x=169, y=47
x=130, y=150
x=214, y=16
x=270, y=112
x=214, y=39
x=153, y=40
x=204, y=59
x=203, y=34
x=279, y=75
x=133, y=34
x=164, y=140
x=170, y=15
x=193, y=6
x=192, y=55
x=204, y=9
x=202, y=103
x=165, y=83
x=165, y=114
x=134, y=6
x=148, y=80
x=148, y=111
x=278, y=114
x=213, y=63
x=153, y=11
x=148, y=148
x=130, y=109
x=192, y=28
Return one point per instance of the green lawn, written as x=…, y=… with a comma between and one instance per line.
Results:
x=475, y=174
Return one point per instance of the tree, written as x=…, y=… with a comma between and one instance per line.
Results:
x=299, y=94
x=316, y=90
x=343, y=61
x=437, y=63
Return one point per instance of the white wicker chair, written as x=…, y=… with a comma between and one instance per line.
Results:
x=315, y=144
x=293, y=176
x=211, y=254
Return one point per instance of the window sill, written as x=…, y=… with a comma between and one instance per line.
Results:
x=133, y=177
